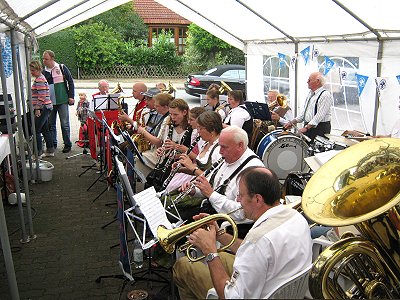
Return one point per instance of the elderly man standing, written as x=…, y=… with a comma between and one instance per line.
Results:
x=62, y=93
x=277, y=247
x=316, y=114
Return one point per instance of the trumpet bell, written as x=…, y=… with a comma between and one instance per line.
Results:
x=361, y=182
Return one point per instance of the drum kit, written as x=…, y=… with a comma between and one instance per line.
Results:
x=284, y=153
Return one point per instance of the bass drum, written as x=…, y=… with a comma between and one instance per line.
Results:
x=283, y=152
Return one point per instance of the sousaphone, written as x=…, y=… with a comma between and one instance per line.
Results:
x=360, y=186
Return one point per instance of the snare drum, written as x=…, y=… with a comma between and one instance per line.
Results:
x=283, y=152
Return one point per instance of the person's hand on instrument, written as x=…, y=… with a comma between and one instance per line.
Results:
x=204, y=186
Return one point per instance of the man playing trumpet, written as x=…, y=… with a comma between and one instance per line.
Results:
x=277, y=247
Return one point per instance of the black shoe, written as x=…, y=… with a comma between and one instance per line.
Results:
x=66, y=149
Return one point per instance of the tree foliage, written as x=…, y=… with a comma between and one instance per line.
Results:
x=204, y=49
x=124, y=21
x=97, y=45
x=62, y=43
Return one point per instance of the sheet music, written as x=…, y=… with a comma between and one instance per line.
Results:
x=104, y=102
x=315, y=162
x=152, y=209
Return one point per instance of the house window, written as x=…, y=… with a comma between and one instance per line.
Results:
x=178, y=36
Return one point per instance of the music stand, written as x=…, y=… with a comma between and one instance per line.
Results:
x=106, y=102
x=152, y=216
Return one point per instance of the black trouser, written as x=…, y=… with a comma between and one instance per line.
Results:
x=321, y=129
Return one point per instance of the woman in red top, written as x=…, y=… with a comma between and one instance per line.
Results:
x=42, y=107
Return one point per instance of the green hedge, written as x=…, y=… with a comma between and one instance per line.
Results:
x=63, y=45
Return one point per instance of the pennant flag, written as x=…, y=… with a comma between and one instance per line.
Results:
x=306, y=54
x=293, y=60
x=398, y=78
x=328, y=65
x=315, y=53
x=361, y=81
x=282, y=58
x=342, y=75
x=6, y=56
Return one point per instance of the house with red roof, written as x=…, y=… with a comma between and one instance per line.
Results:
x=158, y=18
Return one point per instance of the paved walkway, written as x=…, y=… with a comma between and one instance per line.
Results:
x=71, y=249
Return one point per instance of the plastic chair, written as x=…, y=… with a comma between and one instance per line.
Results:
x=293, y=288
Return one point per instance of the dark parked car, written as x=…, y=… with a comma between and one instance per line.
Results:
x=233, y=75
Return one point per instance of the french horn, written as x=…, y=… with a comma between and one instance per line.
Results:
x=360, y=186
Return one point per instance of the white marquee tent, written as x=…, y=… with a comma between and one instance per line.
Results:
x=355, y=42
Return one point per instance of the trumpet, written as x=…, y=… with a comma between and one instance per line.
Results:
x=169, y=237
x=281, y=101
x=213, y=167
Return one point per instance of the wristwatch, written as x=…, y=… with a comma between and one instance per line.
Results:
x=211, y=256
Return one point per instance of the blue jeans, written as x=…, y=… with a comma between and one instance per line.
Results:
x=42, y=127
x=63, y=111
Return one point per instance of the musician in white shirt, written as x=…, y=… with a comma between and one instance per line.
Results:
x=316, y=114
x=277, y=247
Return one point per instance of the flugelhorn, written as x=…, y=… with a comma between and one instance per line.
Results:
x=281, y=101
x=169, y=237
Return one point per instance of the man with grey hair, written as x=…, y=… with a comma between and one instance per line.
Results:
x=103, y=87
x=220, y=187
x=316, y=114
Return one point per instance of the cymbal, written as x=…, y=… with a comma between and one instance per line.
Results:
x=341, y=140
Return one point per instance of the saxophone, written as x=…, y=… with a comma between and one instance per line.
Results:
x=141, y=143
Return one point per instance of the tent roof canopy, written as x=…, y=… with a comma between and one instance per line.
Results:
x=45, y=17
x=235, y=21
x=241, y=21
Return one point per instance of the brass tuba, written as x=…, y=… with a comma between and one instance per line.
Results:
x=360, y=186
x=169, y=237
x=117, y=90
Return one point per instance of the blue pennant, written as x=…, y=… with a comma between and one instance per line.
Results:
x=306, y=54
x=282, y=58
x=329, y=63
x=361, y=82
x=398, y=78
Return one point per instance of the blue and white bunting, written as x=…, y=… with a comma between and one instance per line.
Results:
x=282, y=58
x=361, y=82
x=398, y=78
x=329, y=63
x=306, y=54
x=293, y=60
x=315, y=53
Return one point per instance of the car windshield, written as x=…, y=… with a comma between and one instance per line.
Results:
x=208, y=72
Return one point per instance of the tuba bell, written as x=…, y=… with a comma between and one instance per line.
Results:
x=117, y=90
x=280, y=101
x=360, y=186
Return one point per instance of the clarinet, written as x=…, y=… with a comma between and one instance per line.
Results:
x=160, y=161
x=178, y=166
x=214, y=166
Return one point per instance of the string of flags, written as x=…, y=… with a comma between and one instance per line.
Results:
x=329, y=64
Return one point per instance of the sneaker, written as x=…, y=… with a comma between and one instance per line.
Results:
x=48, y=154
x=66, y=149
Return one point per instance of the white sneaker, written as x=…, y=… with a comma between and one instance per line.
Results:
x=48, y=154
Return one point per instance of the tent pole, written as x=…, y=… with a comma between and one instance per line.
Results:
x=5, y=242
x=378, y=74
x=296, y=75
x=21, y=142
